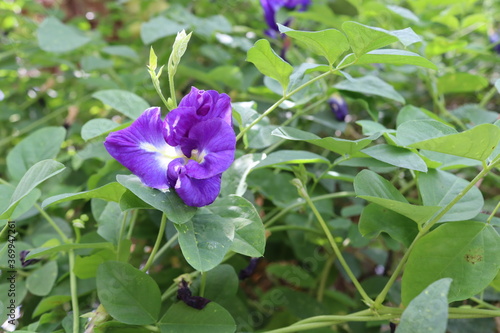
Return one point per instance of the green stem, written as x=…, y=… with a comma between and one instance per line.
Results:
x=120, y=235
x=492, y=215
x=169, y=292
x=427, y=226
x=284, y=211
x=292, y=227
x=324, y=277
x=281, y=100
x=132, y=223
x=163, y=224
x=489, y=95
x=334, y=246
x=166, y=246
x=152, y=328
x=332, y=320
x=203, y=283
x=52, y=223
x=74, y=292
x=330, y=167
x=484, y=304
x=172, y=88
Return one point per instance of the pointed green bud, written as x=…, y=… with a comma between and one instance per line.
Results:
x=178, y=50
x=153, y=59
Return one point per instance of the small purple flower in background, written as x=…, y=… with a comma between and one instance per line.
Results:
x=339, y=107
x=495, y=39
x=188, y=151
x=271, y=7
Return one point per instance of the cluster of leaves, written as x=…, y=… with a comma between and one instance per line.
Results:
x=395, y=206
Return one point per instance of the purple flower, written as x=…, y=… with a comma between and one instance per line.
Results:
x=495, y=39
x=271, y=7
x=339, y=107
x=188, y=151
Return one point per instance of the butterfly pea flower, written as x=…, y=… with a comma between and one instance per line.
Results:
x=187, y=151
x=339, y=107
x=271, y=7
x=494, y=38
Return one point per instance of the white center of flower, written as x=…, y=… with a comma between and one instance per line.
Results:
x=165, y=154
x=197, y=156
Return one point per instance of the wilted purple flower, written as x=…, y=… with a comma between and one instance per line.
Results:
x=22, y=256
x=188, y=151
x=495, y=39
x=271, y=7
x=184, y=294
x=339, y=107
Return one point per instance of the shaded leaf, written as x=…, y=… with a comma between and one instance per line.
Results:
x=466, y=252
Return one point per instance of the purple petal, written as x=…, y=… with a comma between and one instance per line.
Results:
x=208, y=104
x=292, y=4
x=178, y=123
x=198, y=192
x=339, y=108
x=270, y=7
x=142, y=149
x=215, y=145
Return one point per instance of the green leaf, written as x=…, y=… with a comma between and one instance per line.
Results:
x=249, y=237
x=55, y=36
x=364, y=39
x=269, y=63
x=50, y=302
x=291, y=157
x=96, y=127
x=390, y=56
x=41, y=281
x=181, y=318
x=159, y=27
x=329, y=43
x=292, y=274
x=376, y=219
x=205, y=239
x=109, y=192
x=130, y=201
x=339, y=146
x=466, y=252
x=476, y=143
x=45, y=251
x=414, y=131
x=24, y=205
x=461, y=83
x=129, y=295
x=404, y=12
x=370, y=85
x=121, y=50
x=169, y=203
x=86, y=267
x=38, y=173
x=397, y=156
x=109, y=217
x=439, y=188
x=123, y=101
x=234, y=178
x=428, y=312
x=90, y=63
x=42, y=144
x=374, y=188
x=222, y=283
x=410, y=112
